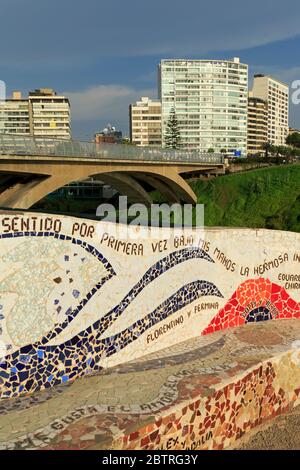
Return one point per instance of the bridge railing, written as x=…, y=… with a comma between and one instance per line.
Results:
x=36, y=146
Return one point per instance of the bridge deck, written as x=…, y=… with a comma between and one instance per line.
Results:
x=105, y=160
x=32, y=168
x=29, y=146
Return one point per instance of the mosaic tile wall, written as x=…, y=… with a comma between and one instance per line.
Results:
x=218, y=421
x=76, y=296
x=208, y=392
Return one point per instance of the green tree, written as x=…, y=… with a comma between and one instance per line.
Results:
x=127, y=141
x=293, y=139
x=211, y=150
x=172, y=135
x=267, y=148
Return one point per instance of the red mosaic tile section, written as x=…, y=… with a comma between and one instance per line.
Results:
x=193, y=422
x=250, y=295
x=215, y=422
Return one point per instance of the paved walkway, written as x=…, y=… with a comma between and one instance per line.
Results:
x=283, y=433
x=198, y=394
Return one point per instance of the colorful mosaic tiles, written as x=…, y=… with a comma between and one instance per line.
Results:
x=207, y=393
x=30, y=317
x=71, y=307
x=255, y=300
x=161, y=267
x=38, y=366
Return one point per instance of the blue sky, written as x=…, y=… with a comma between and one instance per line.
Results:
x=104, y=55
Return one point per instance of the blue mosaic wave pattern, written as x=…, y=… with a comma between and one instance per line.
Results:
x=36, y=367
x=39, y=366
x=162, y=266
x=173, y=304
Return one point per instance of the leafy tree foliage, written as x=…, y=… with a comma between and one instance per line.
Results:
x=294, y=140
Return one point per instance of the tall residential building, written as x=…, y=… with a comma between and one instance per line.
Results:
x=42, y=114
x=49, y=114
x=145, y=123
x=276, y=94
x=14, y=115
x=257, y=124
x=210, y=99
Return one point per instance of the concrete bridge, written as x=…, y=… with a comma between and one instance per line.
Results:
x=31, y=168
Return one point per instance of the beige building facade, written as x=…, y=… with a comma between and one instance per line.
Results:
x=42, y=114
x=257, y=125
x=49, y=114
x=145, y=123
x=276, y=94
x=14, y=115
x=293, y=131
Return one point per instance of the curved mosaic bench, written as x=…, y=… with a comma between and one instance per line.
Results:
x=208, y=392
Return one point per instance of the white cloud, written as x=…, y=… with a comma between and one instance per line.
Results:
x=94, y=107
x=104, y=101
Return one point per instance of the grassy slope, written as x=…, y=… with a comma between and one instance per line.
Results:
x=267, y=198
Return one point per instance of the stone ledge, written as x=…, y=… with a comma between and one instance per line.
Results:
x=204, y=393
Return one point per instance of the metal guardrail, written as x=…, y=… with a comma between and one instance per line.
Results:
x=33, y=146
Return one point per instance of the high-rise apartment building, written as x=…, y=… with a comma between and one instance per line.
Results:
x=276, y=94
x=14, y=115
x=49, y=114
x=210, y=99
x=257, y=125
x=145, y=123
x=42, y=114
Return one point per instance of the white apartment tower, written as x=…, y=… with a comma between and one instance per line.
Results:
x=210, y=99
x=145, y=123
x=276, y=94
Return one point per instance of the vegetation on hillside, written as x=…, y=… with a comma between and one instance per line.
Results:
x=265, y=198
